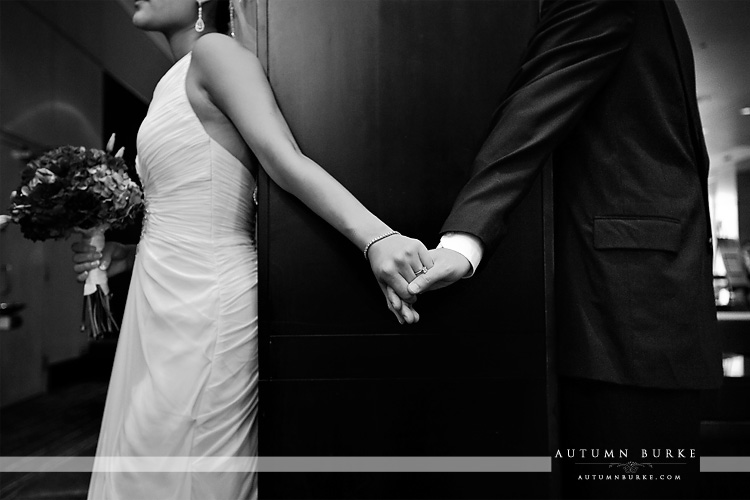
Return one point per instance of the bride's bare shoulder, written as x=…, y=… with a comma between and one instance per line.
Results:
x=215, y=51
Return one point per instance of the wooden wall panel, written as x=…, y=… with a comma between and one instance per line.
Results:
x=394, y=97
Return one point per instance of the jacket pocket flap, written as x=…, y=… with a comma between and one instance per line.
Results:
x=637, y=234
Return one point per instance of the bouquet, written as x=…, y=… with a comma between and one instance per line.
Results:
x=77, y=190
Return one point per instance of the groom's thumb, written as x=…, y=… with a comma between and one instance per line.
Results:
x=420, y=284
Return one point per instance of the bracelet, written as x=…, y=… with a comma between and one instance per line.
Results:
x=375, y=240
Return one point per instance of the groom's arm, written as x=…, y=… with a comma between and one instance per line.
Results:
x=575, y=49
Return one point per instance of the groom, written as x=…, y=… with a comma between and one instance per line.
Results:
x=607, y=91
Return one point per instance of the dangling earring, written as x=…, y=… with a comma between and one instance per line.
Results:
x=199, y=24
x=231, y=18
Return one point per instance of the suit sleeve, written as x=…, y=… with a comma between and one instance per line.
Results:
x=576, y=47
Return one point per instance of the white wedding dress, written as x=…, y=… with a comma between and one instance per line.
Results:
x=185, y=376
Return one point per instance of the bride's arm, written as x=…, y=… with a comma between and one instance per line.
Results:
x=236, y=83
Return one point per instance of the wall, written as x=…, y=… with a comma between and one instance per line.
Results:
x=53, y=56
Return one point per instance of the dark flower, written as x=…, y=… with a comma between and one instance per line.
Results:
x=71, y=188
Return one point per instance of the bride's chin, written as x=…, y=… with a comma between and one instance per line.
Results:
x=137, y=20
x=141, y=21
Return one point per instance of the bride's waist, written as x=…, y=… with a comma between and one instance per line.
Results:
x=163, y=255
x=200, y=233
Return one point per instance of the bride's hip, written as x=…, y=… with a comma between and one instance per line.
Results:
x=227, y=260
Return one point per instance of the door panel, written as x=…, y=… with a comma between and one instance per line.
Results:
x=394, y=99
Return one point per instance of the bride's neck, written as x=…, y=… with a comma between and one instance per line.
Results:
x=182, y=41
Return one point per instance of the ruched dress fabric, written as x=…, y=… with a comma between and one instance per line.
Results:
x=185, y=377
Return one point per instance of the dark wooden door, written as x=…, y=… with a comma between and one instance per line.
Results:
x=394, y=97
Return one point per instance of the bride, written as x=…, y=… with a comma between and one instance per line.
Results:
x=185, y=377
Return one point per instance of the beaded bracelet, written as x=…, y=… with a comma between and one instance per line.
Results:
x=375, y=240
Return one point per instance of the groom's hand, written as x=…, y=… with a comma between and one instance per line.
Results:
x=449, y=267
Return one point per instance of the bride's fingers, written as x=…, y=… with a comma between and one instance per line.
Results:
x=408, y=273
x=404, y=313
x=85, y=266
x=393, y=299
x=395, y=312
x=423, y=267
x=81, y=247
x=425, y=258
x=79, y=258
x=407, y=313
x=421, y=264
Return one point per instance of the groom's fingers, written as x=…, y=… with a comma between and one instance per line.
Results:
x=424, y=282
x=450, y=266
x=438, y=276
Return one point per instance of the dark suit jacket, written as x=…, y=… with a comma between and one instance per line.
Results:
x=607, y=89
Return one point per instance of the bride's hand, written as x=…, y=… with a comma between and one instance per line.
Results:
x=396, y=261
x=115, y=258
x=404, y=312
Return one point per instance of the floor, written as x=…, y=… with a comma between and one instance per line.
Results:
x=62, y=423
x=65, y=422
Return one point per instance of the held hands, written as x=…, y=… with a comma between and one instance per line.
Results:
x=115, y=258
x=448, y=267
x=404, y=268
x=396, y=261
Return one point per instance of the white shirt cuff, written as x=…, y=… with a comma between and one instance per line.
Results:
x=467, y=245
